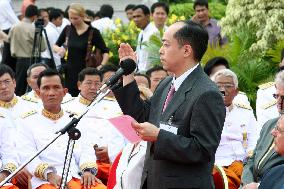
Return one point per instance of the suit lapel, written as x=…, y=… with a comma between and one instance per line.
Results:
x=179, y=96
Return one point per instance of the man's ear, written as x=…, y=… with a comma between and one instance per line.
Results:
x=187, y=50
x=79, y=83
x=65, y=91
x=37, y=92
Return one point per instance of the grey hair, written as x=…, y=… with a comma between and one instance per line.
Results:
x=279, y=78
x=227, y=73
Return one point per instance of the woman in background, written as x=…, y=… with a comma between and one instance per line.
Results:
x=75, y=37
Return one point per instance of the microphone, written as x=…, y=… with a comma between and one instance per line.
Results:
x=126, y=67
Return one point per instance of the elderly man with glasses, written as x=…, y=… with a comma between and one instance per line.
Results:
x=238, y=137
x=265, y=155
x=274, y=179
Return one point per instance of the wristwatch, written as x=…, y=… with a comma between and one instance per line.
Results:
x=93, y=171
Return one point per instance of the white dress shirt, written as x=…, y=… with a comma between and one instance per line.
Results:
x=103, y=24
x=130, y=167
x=52, y=34
x=142, y=55
x=7, y=16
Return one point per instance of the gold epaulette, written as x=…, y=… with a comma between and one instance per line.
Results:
x=242, y=105
x=109, y=98
x=77, y=114
x=65, y=100
x=269, y=104
x=266, y=85
x=27, y=114
x=2, y=116
x=241, y=92
x=30, y=99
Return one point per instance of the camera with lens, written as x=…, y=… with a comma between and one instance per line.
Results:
x=39, y=23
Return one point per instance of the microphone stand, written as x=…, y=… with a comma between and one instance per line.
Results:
x=73, y=133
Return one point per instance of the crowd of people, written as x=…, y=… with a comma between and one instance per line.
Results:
x=191, y=123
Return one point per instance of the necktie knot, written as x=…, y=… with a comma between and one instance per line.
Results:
x=169, y=97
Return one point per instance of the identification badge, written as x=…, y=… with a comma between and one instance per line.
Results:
x=169, y=128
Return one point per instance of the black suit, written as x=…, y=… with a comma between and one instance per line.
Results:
x=184, y=160
x=274, y=179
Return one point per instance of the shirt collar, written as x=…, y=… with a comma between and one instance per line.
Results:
x=178, y=81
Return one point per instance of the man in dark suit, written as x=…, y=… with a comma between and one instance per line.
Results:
x=183, y=132
x=265, y=157
x=274, y=179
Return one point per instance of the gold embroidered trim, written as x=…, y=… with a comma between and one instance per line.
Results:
x=11, y=167
x=88, y=165
x=10, y=104
x=40, y=169
x=30, y=99
x=84, y=101
x=27, y=114
x=110, y=98
x=52, y=116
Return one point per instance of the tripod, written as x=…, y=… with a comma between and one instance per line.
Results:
x=36, y=51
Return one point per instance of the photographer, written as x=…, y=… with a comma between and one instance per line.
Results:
x=21, y=38
x=52, y=31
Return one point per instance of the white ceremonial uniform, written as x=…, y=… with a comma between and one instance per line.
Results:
x=7, y=15
x=241, y=98
x=8, y=157
x=130, y=166
x=14, y=109
x=104, y=24
x=52, y=34
x=96, y=127
x=238, y=137
x=266, y=107
x=32, y=136
x=142, y=55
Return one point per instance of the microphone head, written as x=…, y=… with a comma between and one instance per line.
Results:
x=128, y=65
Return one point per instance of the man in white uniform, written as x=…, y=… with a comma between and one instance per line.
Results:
x=48, y=166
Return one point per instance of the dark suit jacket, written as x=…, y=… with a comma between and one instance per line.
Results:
x=184, y=160
x=274, y=179
x=253, y=170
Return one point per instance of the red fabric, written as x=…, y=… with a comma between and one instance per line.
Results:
x=112, y=173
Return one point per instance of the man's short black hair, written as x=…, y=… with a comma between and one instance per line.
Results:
x=31, y=11
x=90, y=13
x=49, y=73
x=4, y=69
x=129, y=6
x=88, y=71
x=106, y=10
x=54, y=14
x=216, y=61
x=200, y=3
x=154, y=69
x=164, y=5
x=146, y=76
x=195, y=35
x=145, y=9
x=108, y=68
x=29, y=71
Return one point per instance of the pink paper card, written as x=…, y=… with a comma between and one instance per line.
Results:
x=123, y=125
